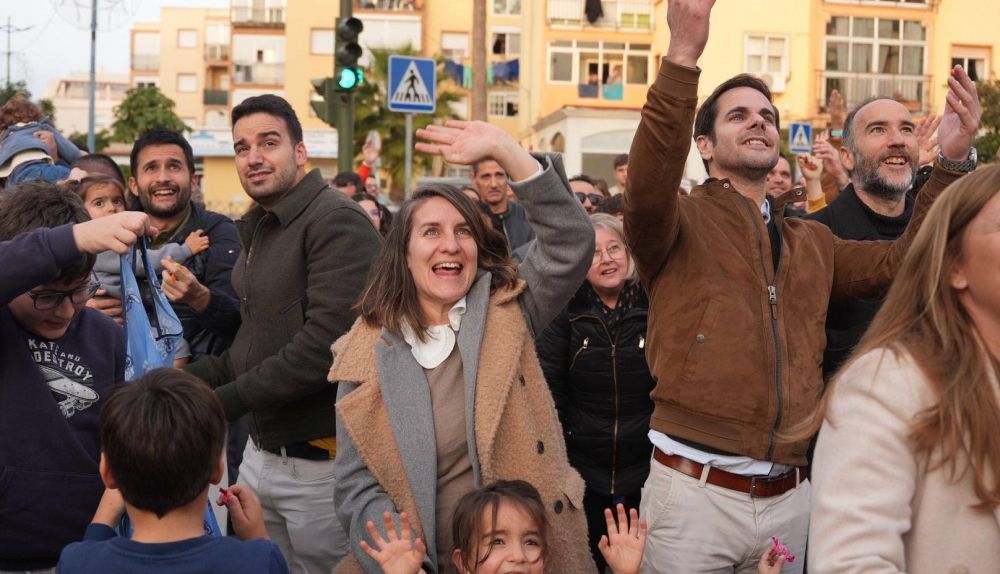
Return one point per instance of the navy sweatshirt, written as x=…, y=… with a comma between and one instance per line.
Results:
x=51, y=392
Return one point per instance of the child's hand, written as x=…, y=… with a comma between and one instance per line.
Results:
x=399, y=554
x=772, y=560
x=110, y=509
x=244, y=511
x=197, y=241
x=623, y=550
x=811, y=168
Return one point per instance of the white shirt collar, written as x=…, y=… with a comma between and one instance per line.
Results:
x=440, y=339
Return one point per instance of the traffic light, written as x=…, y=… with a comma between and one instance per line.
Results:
x=326, y=109
x=348, y=73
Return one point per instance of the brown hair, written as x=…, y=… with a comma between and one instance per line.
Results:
x=467, y=522
x=19, y=110
x=162, y=438
x=923, y=316
x=84, y=185
x=390, y=299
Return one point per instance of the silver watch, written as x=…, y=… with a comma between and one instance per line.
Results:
x=966, y=165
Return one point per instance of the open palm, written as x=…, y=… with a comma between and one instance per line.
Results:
x=623, y=546
x=396, y=553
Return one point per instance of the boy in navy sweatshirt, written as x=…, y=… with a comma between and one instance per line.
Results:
x=58, y=362
x=162, y=439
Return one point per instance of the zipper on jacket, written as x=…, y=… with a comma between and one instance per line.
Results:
x=772, y=298
x=586, y=341
x=254, y=424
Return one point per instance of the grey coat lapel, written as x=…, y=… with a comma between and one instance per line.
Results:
x=470, y=340
x=408, y=401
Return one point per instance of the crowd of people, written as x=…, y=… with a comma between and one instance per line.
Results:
x=534, y=373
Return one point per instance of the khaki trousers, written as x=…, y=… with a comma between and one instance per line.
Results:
x=698, y=527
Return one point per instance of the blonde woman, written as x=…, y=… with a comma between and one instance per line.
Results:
x=905, y=476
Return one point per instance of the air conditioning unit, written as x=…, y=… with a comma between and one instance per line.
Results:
x=776, y=82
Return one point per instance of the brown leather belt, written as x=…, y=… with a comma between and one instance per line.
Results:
x=755, y=486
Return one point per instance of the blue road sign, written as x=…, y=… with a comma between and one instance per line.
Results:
x=412, y=84
x=800, y=138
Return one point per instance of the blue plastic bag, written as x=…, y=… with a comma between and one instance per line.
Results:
x=149, y=347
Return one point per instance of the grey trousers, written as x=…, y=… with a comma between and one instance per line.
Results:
x=297, y=497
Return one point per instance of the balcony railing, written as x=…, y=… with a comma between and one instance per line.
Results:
x=618, y=14
x=145, y=61
x=261, y=74
x=216, y=98
x=911, y=91
x=389, y=5
x=216, y=52
x=258, y=17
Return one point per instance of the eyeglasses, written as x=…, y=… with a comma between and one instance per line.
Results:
x=613, y=251
x=595, y=198
x=51, y=299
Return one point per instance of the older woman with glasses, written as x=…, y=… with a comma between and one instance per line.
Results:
x=594, y=359
x=440, y=390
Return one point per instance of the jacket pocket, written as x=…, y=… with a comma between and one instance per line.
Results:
x=42, y=511
x=292, y=318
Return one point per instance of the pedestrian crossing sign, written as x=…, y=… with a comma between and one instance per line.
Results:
x=800, y=138
x=412, y=84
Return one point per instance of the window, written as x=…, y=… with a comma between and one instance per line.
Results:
x=506, y=43
x=592, y=65
x=974, y=60
x=766, y=56
x=635, y=15
x=868, y=57
x=506, y=7
x=187, y=38
x=321, y=41
x=455, y=46
x=146, y=51
x=187, y=83
x=503, y=104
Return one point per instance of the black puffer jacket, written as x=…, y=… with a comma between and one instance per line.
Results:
x=601, y=385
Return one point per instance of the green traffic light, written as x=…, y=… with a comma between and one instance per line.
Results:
x=350, y=78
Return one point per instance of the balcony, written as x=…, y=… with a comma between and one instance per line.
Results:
x=911, y=91
x=145, y=61
x=216, y=98
x=259, y=74
x=618, y=15
x=256, y=17
x=388, y=5
x=216, y=52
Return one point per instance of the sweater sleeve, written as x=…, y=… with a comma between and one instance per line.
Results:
x=656, y=167
x=33, y=258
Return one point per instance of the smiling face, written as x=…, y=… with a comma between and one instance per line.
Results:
x=610, y=266
x=268, y=162
x=779, y=180
x=441, y=256
x=513, y=546
x=745, y=142
x=884, y=155
x=50, y=323
x=163, y=182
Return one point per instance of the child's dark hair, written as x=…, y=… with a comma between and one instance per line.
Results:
x=467, y=522
x=31, y=205
x=100, y=164
x=162, y=437
x=84, y=185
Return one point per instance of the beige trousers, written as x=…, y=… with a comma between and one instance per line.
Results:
x=696, y=527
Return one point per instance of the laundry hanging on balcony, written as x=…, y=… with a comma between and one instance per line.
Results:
x=593, y=10
x=506, y=72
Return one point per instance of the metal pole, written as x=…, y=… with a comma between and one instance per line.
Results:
x=8, y=52
x=345, y=113
x=409, y=156
x=91, y=136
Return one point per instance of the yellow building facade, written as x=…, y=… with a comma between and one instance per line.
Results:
x=559, y=81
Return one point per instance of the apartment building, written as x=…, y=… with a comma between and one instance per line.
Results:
x=70, y=97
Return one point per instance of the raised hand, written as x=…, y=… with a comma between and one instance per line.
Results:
x=370, y=153
x=811, y=168
x=397, y=553
x=622, y=547
x=115, y=232
x=824, y=151
x=466, y=143
x=688, y=23
x=961, y=118
x=926, y=142
x=835, y=105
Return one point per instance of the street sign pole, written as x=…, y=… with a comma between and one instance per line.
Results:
x=409, y=155
x=345, y=112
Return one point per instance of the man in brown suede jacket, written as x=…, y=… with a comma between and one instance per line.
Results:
x=738, y=300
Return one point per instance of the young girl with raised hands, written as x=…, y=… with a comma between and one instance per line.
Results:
x=503, y=525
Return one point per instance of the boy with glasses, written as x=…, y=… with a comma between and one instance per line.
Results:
x=58, y=361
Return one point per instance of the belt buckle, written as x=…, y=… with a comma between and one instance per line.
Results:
x=753, y=485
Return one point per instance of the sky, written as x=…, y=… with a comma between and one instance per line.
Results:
x=58, y=41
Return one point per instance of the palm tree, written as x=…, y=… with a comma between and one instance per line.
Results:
x=372, y=113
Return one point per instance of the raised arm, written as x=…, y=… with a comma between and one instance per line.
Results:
x=663, y=139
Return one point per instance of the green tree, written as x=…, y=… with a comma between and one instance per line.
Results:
x=989, y=97
x=142, y=109
x=371, y=112
x=49, y=109
x=9, y=91
x=102, y=139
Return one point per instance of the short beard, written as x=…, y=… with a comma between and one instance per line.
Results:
x=871, y=181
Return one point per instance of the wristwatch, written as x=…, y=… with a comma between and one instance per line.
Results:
x=966, y=165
